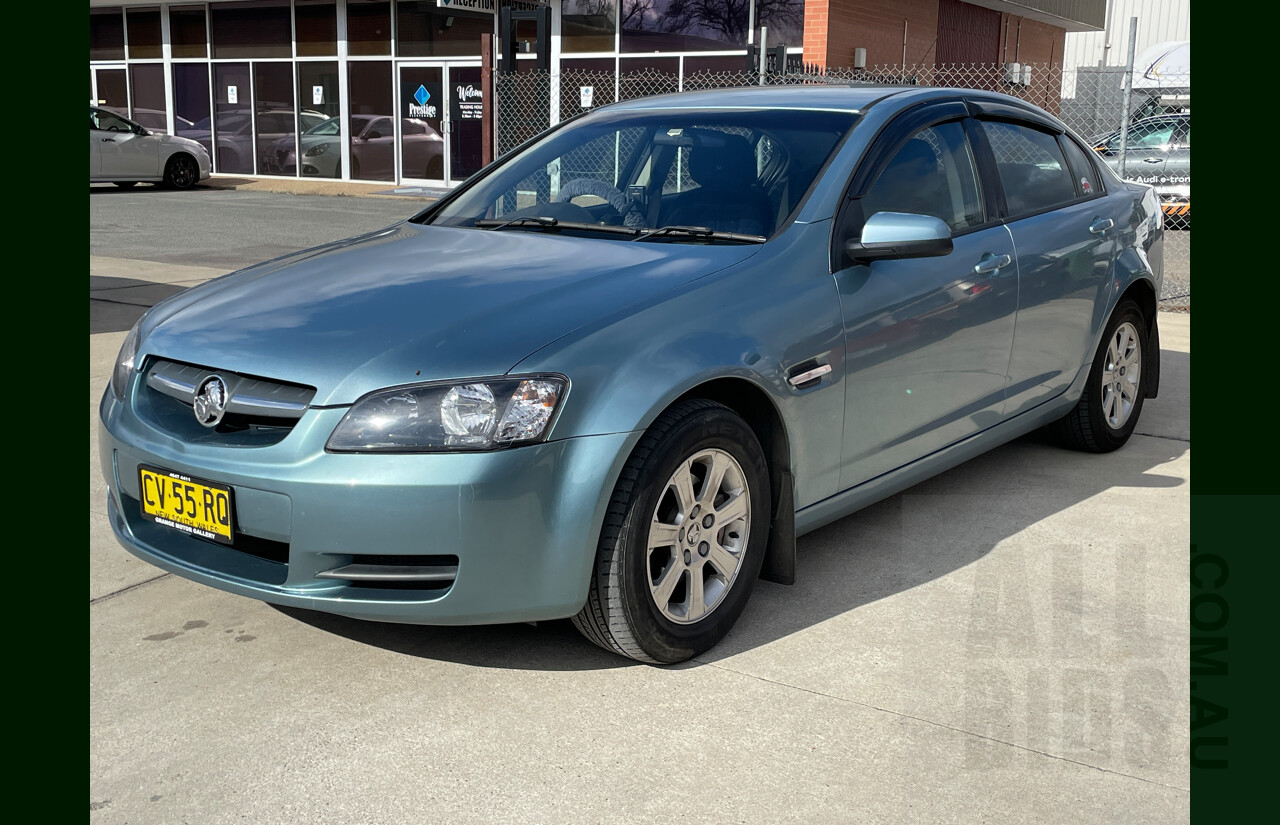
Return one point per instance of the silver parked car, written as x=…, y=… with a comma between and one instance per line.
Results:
x=372, y=149
x=615, y=374
x=124, y=153
x=1157, y=152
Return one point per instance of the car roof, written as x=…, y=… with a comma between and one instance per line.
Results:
x=837, y=98
x=851, y=98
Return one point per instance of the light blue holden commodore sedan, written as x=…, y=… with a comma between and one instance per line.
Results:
x=615, y=375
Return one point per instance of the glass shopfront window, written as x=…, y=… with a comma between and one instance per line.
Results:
x=785, y=19
x=113, y=90
x=144, y=32
x=191, y=103
x=370, y=129
x=423, y=30
x=712, y=65
x=106, y=34
x=188, y=33
x=319, y=149
x=257, y=29
x=684, y=25
x=316, y=24
x=588, y=25
x=146, y=84
x=232, y=119
x=275, y=120
x=644, y=76
x=368, y=27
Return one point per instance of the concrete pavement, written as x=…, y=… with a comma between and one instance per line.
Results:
x=1006, y=642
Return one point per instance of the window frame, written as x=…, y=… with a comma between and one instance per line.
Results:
x=993, y=169
x=1090, y=157
x=849, y=219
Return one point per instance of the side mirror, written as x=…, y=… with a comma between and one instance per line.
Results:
x=373, y=134
x=900, y=235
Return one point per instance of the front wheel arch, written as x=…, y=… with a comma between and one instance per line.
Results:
x=756, y=408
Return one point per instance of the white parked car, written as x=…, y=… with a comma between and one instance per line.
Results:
x=124, y=153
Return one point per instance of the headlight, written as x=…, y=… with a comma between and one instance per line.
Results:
x=318, y=149
x=124, y=363
x=484, y=414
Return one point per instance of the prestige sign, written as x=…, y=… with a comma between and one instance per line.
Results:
x=485, y=6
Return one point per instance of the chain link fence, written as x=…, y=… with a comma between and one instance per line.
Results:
x=1153, y=148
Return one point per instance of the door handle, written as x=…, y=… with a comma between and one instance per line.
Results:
x=808, y=375
x=108, y=140
x=1101, y=225
x=992, y=262
x=1153, y=160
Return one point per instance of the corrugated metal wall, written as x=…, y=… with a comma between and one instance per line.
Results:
x=1158, y=21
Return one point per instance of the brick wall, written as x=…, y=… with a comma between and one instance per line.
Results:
x=1030, y=41
x=834, y=28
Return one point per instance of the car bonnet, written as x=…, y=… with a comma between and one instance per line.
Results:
x=415, y=303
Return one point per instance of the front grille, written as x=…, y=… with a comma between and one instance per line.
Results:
x=259, y=411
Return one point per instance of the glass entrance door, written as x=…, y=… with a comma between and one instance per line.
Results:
x=466, y=124
x=440, y=127
x=110, y=88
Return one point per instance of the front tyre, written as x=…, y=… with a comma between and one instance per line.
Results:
x=684, y=537
x=181, y=172
x=1109, y=407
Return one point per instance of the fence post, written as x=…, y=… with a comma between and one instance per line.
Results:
x=488, y=99
x=1128, y=95
x=764, y=54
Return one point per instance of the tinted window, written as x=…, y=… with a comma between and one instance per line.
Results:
x=106, y=34
x=108, y=122
x=1086, y=177
x=259, y=29
x=187, y=32
x=1032, y=168
x=144, y=33
x=932, y=174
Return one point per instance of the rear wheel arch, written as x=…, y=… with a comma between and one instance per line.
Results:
x=1143, y=293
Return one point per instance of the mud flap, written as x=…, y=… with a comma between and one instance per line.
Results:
x=1153, y=366
x=780, y=554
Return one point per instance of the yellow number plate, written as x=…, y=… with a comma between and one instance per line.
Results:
x=191, y=505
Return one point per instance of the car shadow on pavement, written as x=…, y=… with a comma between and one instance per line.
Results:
x=925, y=533
x=116, y=303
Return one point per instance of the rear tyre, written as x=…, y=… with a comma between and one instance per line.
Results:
x=684, y=537
x=181, y=172
x=1108, y=410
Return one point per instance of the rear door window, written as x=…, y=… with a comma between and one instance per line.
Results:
x=1088, y=184
x=1032, y=168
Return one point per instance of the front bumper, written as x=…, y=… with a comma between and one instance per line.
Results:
x=521, y=525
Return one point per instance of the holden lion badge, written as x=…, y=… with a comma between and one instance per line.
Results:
x=210, y=403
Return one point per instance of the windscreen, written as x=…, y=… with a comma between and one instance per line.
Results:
x=726, y=171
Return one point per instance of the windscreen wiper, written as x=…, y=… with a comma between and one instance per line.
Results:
x=544, y=222
x=699, y=232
